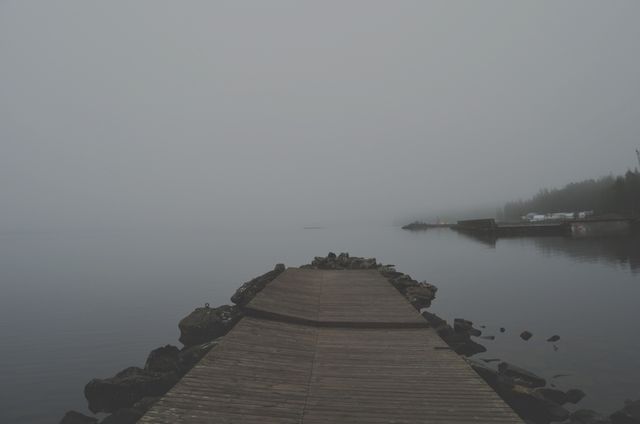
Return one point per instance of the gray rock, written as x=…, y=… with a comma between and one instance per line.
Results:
x=587, y=416
x=526, y=335
x=521, y=376
x=163, y=359
x=206, y=324
x=248, y=290
x=73, y=417
x=629, y=414
x=575, y=395
x=126, y=388
x=553, y=338
x=554, y=395
x=123, y=416
x=421, y=295
x=461, y=325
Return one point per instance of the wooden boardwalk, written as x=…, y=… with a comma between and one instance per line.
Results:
x=331, y=347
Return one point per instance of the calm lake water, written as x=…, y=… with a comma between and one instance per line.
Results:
x=74, y=306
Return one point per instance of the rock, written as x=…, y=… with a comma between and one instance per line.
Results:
x=163, y=359
x=554, y=338
x=144, y=404
x=525, y=335
x=189, y=356
x=248, y=290
x=73, y=417
x=206, y=324
x=488, y=337
x=554, y=395
x=629, y=414
x=461, y=325
x=502, y=329
x=123, y=416
x=587, y=416
x=521, y=376
x=421, y=295
x=575, y=395
x=531, y=405
x=126, y=388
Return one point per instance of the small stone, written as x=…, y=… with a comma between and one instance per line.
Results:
x=488, y=337
x=554, y=338
x=575, y=395
x=526, y=335
x=502, y=329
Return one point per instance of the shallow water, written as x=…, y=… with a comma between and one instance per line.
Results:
x=79, y=305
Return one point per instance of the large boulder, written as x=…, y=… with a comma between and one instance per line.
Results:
x=521, y=376
x=248, y=290
x=461, y=325
x=73, y=417
x=206, y=324
x=126, y=388
x=163, y=359
x=421, y=295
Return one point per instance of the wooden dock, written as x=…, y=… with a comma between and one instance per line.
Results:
x=322, y=346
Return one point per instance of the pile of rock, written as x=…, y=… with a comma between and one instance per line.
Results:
x=419, y=294
x=248, y=290
x=131, y=392
x=457, y=337
x=342, y=261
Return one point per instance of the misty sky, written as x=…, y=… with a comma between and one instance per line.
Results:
x=126, y=113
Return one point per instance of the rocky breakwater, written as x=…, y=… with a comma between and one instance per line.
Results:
x=127, y=395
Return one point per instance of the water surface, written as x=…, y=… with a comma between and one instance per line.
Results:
x=78, y=305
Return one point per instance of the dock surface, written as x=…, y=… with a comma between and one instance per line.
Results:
x=322, y=346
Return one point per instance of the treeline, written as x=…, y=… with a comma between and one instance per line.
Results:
x=608, y=195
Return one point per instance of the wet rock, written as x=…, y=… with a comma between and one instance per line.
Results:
x=163, y=359
x=587, y=416
x=531, y=405
x=123, y=416
x=144, y=404
x=525, y=335
x=421, y=295
x=189, y=356
x=206, y=324
x=554, y=395
x=126, y=388
x=460, y=342
x=521, y=376
x=630, y=414
x=461, y=325
x=73, y=417
x=575, y=395
x=554, y=338
x=248, y=290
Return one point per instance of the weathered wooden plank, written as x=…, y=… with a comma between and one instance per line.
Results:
x=272, y=371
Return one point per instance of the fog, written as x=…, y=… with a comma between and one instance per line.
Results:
x=127, y=114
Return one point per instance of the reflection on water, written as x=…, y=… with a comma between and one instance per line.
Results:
x=622, y=250
x=84, y=305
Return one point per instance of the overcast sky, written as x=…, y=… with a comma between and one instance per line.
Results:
x=169, y=112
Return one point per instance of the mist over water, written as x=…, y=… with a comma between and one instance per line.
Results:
x=154, y=155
